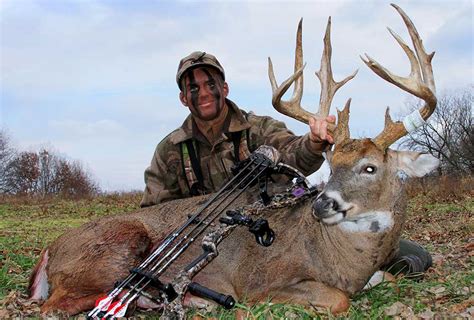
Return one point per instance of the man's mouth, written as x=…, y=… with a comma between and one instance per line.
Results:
x=206, y=104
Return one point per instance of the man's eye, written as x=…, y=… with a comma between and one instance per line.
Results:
x=212, y=85
x=193, y=89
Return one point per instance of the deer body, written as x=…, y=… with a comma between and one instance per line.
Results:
x=313, y=261
x=326, y=248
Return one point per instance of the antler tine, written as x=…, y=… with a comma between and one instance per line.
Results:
x=342, y=128
x=292, y=107
x=420, y=83
x=424, y=58
x=328, y=85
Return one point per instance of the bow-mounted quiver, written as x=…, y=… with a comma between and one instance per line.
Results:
x=144, y=279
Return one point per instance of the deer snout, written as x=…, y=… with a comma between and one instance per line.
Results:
x=330, y=208
x=324, y=206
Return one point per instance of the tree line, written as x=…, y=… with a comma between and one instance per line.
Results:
x=42, y=173
x=448, y=134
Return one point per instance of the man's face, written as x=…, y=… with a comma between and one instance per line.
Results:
x=204, y=93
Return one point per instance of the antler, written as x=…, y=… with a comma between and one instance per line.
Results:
x=292, y=107
x=420, y=83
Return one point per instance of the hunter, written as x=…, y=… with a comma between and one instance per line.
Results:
x=197, y=158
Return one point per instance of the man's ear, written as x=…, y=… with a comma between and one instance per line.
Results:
x=225, y=89
x=183, y=99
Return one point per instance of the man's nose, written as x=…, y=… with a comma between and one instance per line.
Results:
x=204, y=91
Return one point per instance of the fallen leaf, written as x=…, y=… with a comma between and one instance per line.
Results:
x=437, y=259
x=467, y=306
x=427, y=314
x=469, y=246
x=470, y=311
x=438, y=290
x=241, y=314
x=395, y=309
x=290, y=315
x=4, y=314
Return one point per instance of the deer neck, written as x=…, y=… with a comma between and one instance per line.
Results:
x=354, y=251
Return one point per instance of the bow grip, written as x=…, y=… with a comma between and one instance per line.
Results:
x=227, y=301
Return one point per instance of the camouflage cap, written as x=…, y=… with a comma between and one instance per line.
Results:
x=196, y=59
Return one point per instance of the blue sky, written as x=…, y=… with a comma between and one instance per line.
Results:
x=95, y=80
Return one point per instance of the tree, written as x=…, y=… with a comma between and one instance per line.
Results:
x=7, y=154
x=42, y=173
x=72, y=181
x=48, y=164
x=448, y=134
x=24, y=175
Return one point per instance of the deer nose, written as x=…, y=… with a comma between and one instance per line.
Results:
x=324, y=206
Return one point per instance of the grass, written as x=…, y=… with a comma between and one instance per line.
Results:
x=443, y=225
x=28, y=226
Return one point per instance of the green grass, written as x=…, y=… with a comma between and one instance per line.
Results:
x=443, y=227
x=18, y=258
x=26, y=228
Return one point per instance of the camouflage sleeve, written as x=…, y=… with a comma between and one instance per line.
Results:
x=297, y=151
x=161, y=178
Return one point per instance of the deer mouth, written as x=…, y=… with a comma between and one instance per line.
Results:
x=330, y=208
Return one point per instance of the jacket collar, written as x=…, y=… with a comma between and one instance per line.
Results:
x=188, y=129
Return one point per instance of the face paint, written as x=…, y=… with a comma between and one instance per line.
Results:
x=204, y=92
x=215, y=89
x=194, y=92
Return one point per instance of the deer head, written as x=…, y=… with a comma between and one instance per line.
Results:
x=365, y=173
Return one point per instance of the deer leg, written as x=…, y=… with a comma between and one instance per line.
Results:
x=377, y=278
x=193, y=301
x=87, y=265
x=63, y=301
x=313, y=293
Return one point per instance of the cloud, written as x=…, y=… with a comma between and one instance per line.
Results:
x=74, y=129
x=96, y=79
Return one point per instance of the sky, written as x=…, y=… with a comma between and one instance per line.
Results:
x=95, y=80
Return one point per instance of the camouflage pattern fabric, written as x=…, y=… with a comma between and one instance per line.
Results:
x=165, y=177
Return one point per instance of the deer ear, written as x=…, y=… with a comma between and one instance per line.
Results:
x=415, y=164
x=328, y=156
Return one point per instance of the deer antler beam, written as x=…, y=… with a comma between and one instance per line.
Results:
x=420, y=82
x=292, y=107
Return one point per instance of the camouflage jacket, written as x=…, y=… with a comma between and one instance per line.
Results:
x=166, y=177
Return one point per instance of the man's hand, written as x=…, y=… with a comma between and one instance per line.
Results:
x=319, y=129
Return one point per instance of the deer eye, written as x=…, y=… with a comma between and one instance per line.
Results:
x=369, y=169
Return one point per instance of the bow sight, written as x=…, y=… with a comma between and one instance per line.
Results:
x=257, y=169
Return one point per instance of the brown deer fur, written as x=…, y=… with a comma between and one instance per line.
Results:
x=310, y=262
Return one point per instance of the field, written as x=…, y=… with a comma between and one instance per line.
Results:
x=441, y=220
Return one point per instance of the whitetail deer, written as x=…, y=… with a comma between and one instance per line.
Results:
x=326, y=248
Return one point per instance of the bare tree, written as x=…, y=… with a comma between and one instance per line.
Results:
x=24, y=175
x=449, y=134
x=71, y=180
x=7, y=154
x=42, y=173
x=48, y=164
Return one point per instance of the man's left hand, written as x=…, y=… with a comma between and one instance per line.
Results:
x=319, y=129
